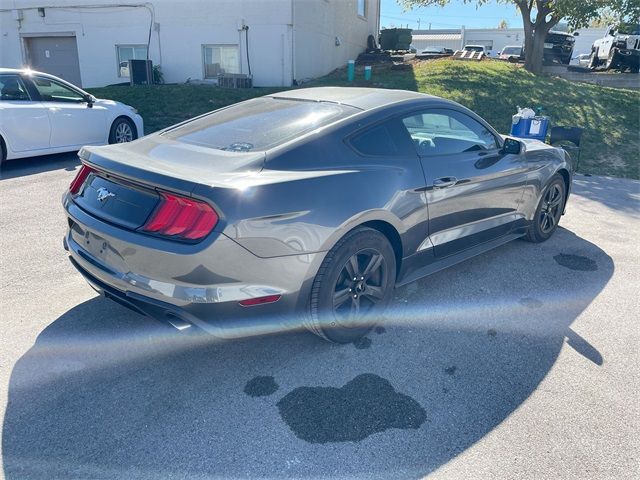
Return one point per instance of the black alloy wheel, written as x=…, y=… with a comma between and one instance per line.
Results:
x=359, y=286
x=549, y=211
x=353, y=286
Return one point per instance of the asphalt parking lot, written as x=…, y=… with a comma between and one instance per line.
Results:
x=520, y=363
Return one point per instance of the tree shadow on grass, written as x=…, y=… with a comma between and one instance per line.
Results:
x=106, y=393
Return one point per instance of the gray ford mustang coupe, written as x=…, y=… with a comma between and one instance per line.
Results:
x=304, y=208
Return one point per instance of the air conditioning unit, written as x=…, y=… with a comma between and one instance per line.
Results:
x=141, y=72
x=235, y=80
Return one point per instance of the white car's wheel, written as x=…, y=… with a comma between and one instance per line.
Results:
x=122, y=131
x=3, y=151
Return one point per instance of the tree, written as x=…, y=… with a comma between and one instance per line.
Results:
x=503, y=25
x=540, y=16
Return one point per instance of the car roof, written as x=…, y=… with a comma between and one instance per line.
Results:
x=26, y=71
x=12, y=70
x=358, y=97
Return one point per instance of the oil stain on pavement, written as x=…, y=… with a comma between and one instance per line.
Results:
x=576, y=262
x=366, y=405
x=362, y=343
x=261, y=386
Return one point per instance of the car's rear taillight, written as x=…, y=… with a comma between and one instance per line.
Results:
x=181, y=217
x=81, y=177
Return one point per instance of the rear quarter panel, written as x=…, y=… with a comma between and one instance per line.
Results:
x=309, y=195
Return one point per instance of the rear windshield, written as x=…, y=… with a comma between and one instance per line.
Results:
x=259, y=124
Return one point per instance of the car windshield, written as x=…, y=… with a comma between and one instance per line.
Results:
x=629, y=29
x=511, y=50
x=259, y=124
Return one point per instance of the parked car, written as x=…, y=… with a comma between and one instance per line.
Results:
x=558, y=47
x=435, y=52
x=619, y=48
x=42, y=114
x=474, y=48
x=582, y=60
x=304, y=208
x=512, y=53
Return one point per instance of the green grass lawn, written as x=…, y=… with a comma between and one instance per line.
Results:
x=610, y=117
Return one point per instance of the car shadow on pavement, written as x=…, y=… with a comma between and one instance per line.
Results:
x=23, y=167
x=106, y=393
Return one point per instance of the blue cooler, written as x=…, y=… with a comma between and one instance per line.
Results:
x=535, y=127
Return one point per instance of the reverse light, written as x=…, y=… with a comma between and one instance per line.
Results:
x=81, y=177
x=181, y=217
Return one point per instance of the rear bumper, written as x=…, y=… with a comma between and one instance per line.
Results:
x=201, y=285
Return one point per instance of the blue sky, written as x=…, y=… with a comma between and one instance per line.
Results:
x=452, y=16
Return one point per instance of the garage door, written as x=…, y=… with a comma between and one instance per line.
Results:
x=55, y=55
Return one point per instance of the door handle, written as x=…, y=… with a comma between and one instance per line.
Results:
x=445, y=182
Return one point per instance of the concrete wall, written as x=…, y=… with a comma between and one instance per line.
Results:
x=316, y=26
x=452, y=41
x=494, y=39
x=179, y=28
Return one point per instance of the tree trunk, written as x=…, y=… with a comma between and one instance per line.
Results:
x=535, y=55
x=535, y=33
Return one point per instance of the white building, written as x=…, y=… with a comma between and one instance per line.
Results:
x=89, y=42
x=493, y=39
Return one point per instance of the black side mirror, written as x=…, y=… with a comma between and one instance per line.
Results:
x=89, y=99
x=576, y=34
x=511, y=146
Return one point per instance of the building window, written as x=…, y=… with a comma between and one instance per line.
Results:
x=129, y=52
x=362, y=8
x=220, y=59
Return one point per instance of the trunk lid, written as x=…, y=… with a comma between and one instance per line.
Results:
x=123, y=189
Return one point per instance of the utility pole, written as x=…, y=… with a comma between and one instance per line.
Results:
x=418, y=24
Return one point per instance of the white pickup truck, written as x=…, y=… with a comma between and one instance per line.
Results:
x=619, y=48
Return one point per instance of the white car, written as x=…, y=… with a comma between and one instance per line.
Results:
x=582, y=60
x=42, y=114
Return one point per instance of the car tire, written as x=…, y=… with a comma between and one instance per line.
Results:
x=593, y=59
x=548, y=212
x=334, y=313
x=612, y=59
x=3, y=151
x=122, y=131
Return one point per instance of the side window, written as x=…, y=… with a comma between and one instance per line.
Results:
x=52, y=91
x=446, y=132
x=12, y=89
x=220, y=59
x=377, y=141
x=126, y=53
